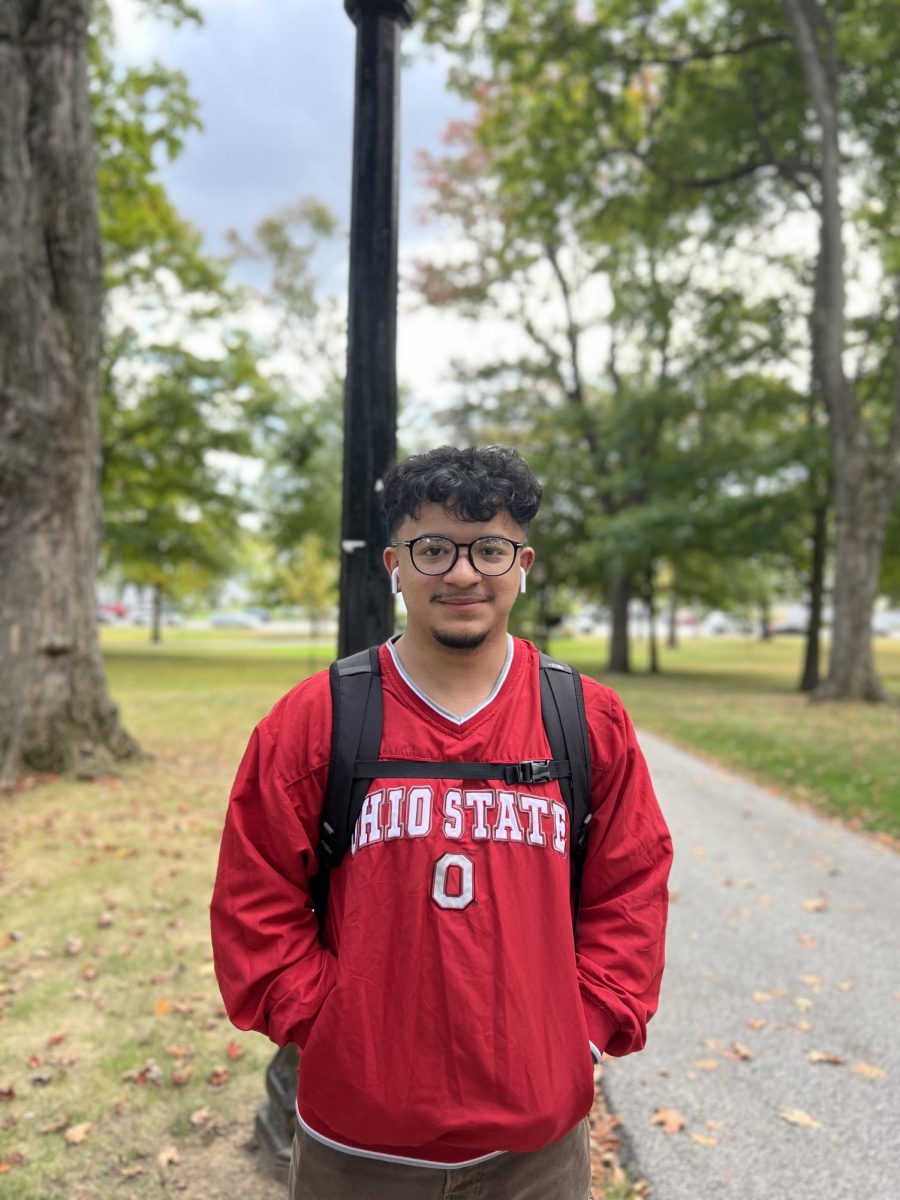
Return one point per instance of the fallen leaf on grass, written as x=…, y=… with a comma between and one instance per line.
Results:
x=218, y=1076
x=868, y=1071
x=148, y=1073
x=56, y=1126
x=762, y=997
x=796, y=1116
x=234, y=1050
x=200, y=1117
x=180, y=1077
x=162, y=1006
x=670, y=1120
x=131, y=1172
x=819, y=1056
x=7, y=1091
x=802, y=1004
x=707, y=1064
x=13, y=1160
x=73, y=946
x=76, y=1135
x=168, y=1157
x=55, y=1038
x=819, y=904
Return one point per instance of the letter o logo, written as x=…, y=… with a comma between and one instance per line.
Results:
x=454, y=881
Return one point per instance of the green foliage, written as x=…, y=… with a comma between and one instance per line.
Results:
x=170, y=419
x=301, y=444
x=182, y=386
x=142, y=116
x=688, y=442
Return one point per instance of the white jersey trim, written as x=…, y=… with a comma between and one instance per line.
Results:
x=397, y=1158
x=445, y=712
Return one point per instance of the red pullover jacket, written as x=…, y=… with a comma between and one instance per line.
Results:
x=447, y=1014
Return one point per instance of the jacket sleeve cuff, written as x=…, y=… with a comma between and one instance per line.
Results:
x=601, y=1027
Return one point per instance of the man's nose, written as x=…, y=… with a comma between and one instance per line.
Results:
x=462, y=573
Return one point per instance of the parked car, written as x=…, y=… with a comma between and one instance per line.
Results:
x=233, y=620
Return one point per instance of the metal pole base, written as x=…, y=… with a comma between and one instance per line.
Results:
x=276, y=1118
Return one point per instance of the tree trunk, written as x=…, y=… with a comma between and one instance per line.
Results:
x=765, y=619
x=650, y=609
x=619, y=596
x=866, y=479
x=542, y=623
x=811, y=677
x=55, y=714
x=862, y=507
x=672, y=635
x=156, y=614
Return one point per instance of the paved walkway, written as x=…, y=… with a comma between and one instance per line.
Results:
x=784, y=941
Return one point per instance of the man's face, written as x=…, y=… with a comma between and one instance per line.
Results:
x=461, y=609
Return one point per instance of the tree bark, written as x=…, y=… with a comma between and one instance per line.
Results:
x=765, y=619
x=55, y=714
x=619, y=596
x=672, y=634
x=650, y=608
x=862, y=506
x=811, y=676
x=866, y=478
x=156, y=617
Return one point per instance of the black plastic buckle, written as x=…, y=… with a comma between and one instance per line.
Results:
x=537, y=770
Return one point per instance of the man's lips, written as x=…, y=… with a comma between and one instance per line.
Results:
x=461, y=601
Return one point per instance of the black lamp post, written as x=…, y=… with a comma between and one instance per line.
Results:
x=370, y=399
x=370, y=404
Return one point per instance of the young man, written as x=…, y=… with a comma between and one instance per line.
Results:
x=446, y=1018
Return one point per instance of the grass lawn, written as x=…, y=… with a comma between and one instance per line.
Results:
x=120, y=1077
x=734, y=700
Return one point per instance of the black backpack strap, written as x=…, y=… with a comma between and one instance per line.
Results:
x=565, y=722
x=533, y=770
x=356, y=715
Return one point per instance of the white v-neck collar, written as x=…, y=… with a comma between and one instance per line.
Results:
x=438, y=708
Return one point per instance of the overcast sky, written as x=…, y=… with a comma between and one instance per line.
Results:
x=274, y=80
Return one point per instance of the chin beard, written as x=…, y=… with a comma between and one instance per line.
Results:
x=459, y=641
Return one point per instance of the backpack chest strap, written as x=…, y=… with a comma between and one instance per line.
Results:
x=535, y=770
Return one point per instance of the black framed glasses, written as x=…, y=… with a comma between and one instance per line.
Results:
x=434, y=555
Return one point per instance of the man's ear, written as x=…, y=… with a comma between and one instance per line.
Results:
x=526, y=558
x=390, y=559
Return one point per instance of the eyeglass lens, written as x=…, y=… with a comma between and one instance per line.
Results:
x=437, y=555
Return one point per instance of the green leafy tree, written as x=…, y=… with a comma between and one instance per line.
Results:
x=291, y=255
x=746, y=115
x=664, y=435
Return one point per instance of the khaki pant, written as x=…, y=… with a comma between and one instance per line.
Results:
x=561, y=1171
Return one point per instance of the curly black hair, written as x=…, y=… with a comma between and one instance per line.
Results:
x=473, y=484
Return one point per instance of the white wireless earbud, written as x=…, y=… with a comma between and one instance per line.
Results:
x=395, y=581
x=523, y=581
